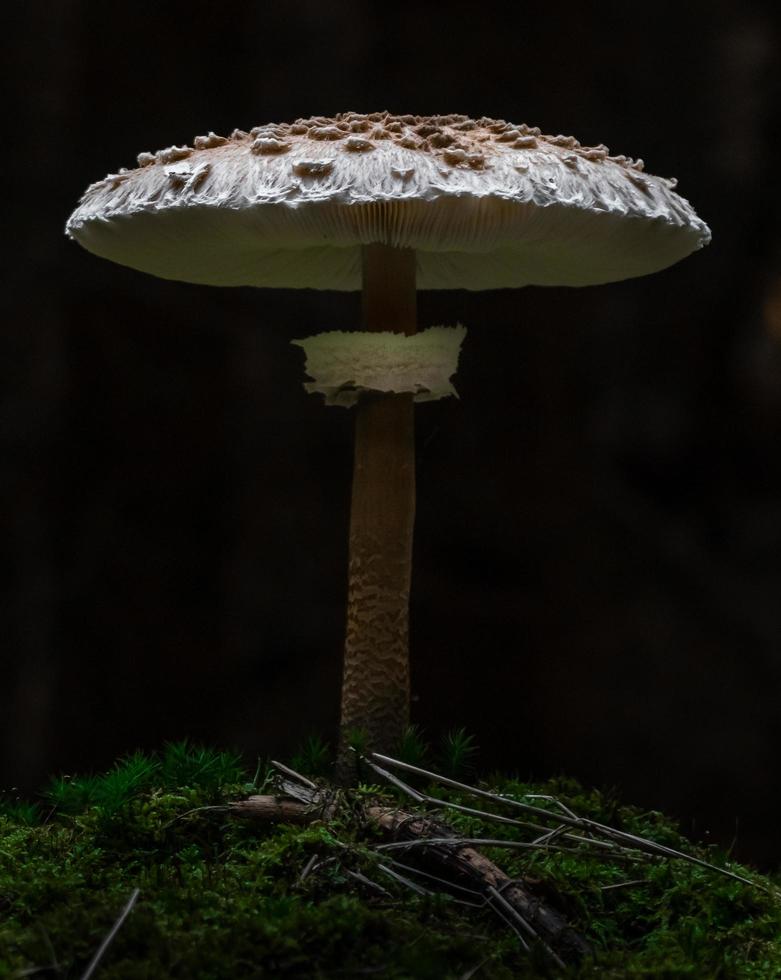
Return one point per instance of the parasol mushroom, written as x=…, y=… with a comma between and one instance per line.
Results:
x=387, y=204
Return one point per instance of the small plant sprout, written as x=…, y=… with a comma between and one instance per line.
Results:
x=314, y=757
x=458, y=752
x=386, y=204
x=412, y=747
x=357, y=740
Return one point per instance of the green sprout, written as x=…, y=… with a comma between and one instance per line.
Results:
x=412, y=746
x=457, y=752
x=314, y=758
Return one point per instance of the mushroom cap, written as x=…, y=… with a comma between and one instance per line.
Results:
x=486, y=204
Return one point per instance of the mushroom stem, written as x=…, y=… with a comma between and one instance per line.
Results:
x=375, y=686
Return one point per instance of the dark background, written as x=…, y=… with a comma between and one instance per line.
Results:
x=597, y=584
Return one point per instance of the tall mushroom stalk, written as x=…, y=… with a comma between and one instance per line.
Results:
x=376, y=686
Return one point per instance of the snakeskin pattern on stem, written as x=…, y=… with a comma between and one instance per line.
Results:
x=375, y=686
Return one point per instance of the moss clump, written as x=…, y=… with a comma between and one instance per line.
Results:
x=221, y=897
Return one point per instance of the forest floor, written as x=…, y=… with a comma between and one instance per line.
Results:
x=208, y=895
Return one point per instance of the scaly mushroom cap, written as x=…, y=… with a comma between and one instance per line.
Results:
x=486, y=204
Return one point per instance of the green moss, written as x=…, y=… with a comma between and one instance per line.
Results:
x=222, y=897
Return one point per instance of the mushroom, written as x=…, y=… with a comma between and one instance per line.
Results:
x=388, y=205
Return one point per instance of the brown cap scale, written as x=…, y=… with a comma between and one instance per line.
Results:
x=484, y=203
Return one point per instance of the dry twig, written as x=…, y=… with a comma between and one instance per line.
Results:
x=110, y=936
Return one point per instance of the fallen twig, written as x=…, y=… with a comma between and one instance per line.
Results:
x=446, y=849
x=582, y=823
x=292, y=773
x=459, y=859
x=109, y=938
